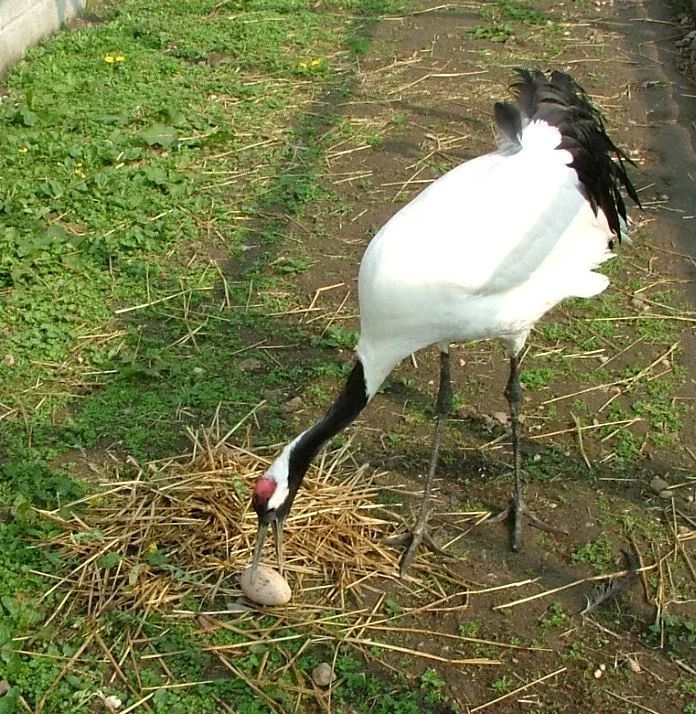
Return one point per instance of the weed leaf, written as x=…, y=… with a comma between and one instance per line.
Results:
x=160, y=135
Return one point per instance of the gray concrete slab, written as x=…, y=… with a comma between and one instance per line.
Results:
x=23, y=23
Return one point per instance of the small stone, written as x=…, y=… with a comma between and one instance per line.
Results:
x=603, y=667
x=466, y=411
x=9, y=360
x=113, y=703
x=267, y=588
x=536, y=458
x=502, y=418
x=251, y=365
x=198, y=371
x=633, y=665
x=4, y=687
x=666, y=494
x=292, y=404
x=598, y=673
x=323, y=675
x=658, y=484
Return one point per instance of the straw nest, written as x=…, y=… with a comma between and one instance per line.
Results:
x=182, y=528
x=171, y=538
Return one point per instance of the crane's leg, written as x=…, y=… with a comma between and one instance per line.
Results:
x=419, y=534
x=517, y=507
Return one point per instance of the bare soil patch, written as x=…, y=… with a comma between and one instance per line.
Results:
x=424, y=104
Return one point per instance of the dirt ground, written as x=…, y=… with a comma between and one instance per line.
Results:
x=427, y=74
x=609, y=437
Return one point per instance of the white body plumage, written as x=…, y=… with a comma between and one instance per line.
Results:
x=483, y=252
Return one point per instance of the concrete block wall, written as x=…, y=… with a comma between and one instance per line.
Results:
x=25, y=22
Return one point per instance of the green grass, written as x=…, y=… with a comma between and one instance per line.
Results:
x=507, y=18
x=676, y=633
x=495, y=32
x=208, y=134
x=502, y=684
x=523, y=12
x=133, y=201
x=598, y=553
x=554, y=618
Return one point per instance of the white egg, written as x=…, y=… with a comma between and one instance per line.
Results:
x=267, y=588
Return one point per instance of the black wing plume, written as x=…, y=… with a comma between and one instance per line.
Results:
x=560, y=101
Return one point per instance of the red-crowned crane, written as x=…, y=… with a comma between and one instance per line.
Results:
x=483, y=252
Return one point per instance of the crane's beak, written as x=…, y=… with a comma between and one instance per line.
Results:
x=278, y=537
x=261, y=538
x=258, y=548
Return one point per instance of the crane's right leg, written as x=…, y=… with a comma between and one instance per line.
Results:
x=517, y=507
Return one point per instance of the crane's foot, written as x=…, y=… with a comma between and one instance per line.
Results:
x=412, y=540
x=514, y=514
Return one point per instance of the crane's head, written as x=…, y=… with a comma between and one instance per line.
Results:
x=275, y=491
x=272, y=498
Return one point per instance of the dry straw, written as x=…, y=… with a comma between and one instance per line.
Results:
x=183, y=528
x=180, y=531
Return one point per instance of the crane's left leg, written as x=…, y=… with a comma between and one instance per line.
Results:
x=517, y=507
x=413, y=538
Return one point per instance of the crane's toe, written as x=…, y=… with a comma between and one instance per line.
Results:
x=411, y=540
x=514, y=514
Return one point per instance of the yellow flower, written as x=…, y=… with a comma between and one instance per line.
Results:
x=109, y=58
x=315, y=63
x=22, y=150
x=120, y=58
x=302, y=65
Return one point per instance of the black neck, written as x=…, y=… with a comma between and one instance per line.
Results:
x=349, y=403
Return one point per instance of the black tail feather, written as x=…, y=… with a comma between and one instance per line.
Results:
x=558, y=100
x=509, y=121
